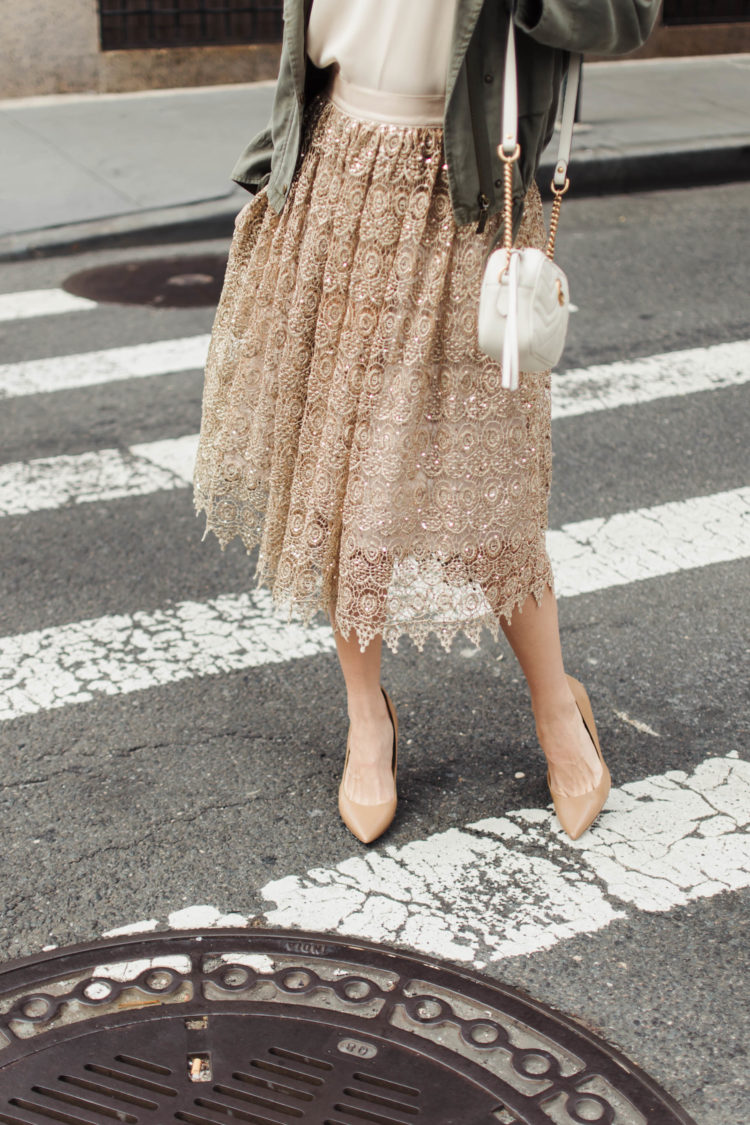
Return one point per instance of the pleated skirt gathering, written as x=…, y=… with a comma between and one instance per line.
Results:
x=351, y=428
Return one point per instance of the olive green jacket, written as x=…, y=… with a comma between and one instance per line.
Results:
x=547, y=30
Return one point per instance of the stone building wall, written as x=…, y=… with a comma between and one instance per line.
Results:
x=52, y=47
x=48, y=47
x=709, y=39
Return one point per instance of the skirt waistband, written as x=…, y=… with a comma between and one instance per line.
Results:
x=385, y=107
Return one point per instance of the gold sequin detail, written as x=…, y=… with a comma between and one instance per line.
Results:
x=350, y=426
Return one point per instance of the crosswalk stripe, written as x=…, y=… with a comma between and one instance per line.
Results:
x=630, y=382
x=47, y=483
x=515, y=884
x=578, y=391
x=175, y=455
x=128, y=652
x=87, y=369
x=122, y=653
x=52, y=482
x=105, y=474
x=597, y=554
x=41, y=302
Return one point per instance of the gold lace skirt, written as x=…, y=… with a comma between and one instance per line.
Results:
x=351, y=427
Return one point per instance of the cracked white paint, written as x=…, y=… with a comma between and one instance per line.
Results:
x=145, y=926
x=68, y=372
x=41, y=302
x=675, y=838
x=453, y=894
x=634, y=381
x=198, y=917
x=201, y=918
x=516, y=884
x=130, y=652
x=122, y=653
x=128, y=970
x=52, y=482
x=103, y=474
x=628, y=547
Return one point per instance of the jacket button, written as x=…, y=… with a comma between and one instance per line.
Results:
x=284, y=187
x=489, y=78
x=498, y=183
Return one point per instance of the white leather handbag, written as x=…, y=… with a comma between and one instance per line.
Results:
x=524, y=302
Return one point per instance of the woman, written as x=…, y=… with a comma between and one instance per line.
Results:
x=351, y=426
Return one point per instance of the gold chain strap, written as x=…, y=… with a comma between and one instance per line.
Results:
x=554, y=222
x=508, y=162
x=555, y=216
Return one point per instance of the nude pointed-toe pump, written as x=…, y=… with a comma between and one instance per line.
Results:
x=576, y=814
x=367, y=822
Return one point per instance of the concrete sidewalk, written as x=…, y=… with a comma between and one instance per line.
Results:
x=82, y=169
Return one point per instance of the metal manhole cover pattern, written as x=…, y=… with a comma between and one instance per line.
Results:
x=281, y=1028
x=177, y=282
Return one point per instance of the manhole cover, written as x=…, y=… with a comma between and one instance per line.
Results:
x=181, y=282
x=285, y=1028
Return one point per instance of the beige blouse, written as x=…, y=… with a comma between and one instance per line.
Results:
x=394, y=46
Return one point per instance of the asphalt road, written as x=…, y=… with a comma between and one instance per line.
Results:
x=208, y=789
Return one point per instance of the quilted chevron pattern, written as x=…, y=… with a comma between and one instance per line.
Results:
x=543, y=309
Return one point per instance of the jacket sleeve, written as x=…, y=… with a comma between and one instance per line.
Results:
x=601, y=27
x=253, y=169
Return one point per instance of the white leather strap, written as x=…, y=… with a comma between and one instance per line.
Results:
x=568, y=117
x=510, y=107
x=510, y=95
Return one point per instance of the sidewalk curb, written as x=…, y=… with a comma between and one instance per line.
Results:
x=654, y=170
x=211, y=218
x=591, y=174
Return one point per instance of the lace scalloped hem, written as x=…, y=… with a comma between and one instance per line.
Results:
x=419, y=602
x=351, y=428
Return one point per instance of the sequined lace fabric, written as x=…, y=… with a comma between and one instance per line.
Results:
x=351, y=428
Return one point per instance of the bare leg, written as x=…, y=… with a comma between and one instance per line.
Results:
x=369, y=777
x=534, y=636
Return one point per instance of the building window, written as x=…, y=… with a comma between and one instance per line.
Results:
x=188, y=23
x=705, y=11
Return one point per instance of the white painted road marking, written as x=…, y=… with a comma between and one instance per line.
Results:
x=628, y=547
x=177, y=455
x=114, y=655
x=104, y=474
x=110, y=655
x=87, y=369
x=41, y=302
x=635, y=381
x=48, y=483
x=515, y=884
x=580, y=391
x=29, y=486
